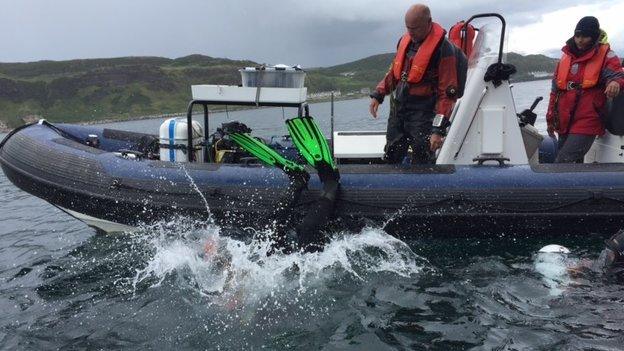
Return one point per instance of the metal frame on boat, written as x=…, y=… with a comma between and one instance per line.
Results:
x=222, y=95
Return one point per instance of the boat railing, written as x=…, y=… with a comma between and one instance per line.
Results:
x=219, y=95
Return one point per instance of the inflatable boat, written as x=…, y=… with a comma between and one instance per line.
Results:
x=487, y=177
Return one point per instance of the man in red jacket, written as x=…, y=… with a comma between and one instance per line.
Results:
x=423, y=77
x=589, y=72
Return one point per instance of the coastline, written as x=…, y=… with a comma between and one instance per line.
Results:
x=5, y=129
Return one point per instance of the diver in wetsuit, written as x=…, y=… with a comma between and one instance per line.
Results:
x=312, y=145
x=611, y=259
x=610, y=262
x=309, y=236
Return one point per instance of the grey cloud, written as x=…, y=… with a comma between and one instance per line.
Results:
x=315, y=33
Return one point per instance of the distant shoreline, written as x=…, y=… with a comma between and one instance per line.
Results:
x=5, y=129
x=215, y=110
x=107, y=90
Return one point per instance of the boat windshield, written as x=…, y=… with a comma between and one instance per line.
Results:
x=486, y=44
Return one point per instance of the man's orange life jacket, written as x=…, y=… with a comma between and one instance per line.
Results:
x=464, y=42
x=420, y=61
x=591, y=75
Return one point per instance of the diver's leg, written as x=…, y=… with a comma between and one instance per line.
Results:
x=283, y=212
x=309, y=234
x=574, y=147
x=312, y=145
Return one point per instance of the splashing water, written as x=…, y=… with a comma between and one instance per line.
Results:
x=233, y=273
x=196, y=188
x=554, y=268
x=175, y=246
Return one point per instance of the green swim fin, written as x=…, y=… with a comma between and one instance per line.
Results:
x=312, y=145
x=265, y=154
x=310, y=141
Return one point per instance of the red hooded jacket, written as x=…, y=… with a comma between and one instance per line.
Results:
x=578, y=109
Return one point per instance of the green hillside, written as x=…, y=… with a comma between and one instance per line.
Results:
x=119, y=88
x=352, y=76
x=126, y=87
x=526, y=65
x=366, y=73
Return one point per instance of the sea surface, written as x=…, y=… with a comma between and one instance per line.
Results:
x=182, y=285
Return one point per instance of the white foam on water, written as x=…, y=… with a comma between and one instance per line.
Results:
x=234, y=272
x=554, y=268
x=175, y=250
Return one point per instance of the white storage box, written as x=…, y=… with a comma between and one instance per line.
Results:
x=174, y=140
x=359, y=144
x=235, y=94
x=280, y=76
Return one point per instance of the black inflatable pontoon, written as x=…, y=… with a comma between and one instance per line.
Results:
x=109, y=189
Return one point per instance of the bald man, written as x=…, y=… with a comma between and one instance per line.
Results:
x=423, y=77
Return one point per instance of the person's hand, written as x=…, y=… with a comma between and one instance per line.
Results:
x=374, y=105
x=435, y=142
x=612, y=90
x=551, y=130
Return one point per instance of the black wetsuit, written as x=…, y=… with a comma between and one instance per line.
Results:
x=611, y=259
x=309, y=235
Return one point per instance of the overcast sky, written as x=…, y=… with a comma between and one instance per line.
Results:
x=310, y=33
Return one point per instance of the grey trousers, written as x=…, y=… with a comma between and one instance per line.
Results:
x=573, y=147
